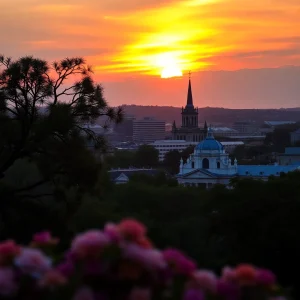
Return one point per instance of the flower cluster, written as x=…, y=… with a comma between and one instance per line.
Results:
x=120, y=262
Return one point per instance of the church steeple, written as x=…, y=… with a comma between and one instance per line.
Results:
x=189, y=113
x=189, y=101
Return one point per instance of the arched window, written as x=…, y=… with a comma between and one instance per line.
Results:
x=193, y=165
x=205, y=163
x=218, y=165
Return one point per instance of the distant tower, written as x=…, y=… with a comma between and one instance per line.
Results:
x=189, y=114
x=174, y=125
x=189, y=130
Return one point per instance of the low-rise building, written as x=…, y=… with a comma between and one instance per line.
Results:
x=165, y=146
x=224, y=131
x=121, y=176
x=274, y=124
x=291, y=156
x=245, y=127
x=295, y=137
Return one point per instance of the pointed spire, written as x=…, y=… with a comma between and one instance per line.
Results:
x=189, y=101
x=205, y=125
x=174, y=125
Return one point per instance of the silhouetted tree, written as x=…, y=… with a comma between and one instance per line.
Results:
x=146, y=156
x=42, y=117
x=187, y=152
x=121, y=159
x=172, y=161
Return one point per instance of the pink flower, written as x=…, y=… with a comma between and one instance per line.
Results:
x=193, y=294
x=33, y=261
x=228, y=274
x=53, y=278
x=8, y=250
x=245, y=274
x=206, y=280
x=43, y=238
x=140, y=294
x=89, y=244
x=149, y=258
x=179, y=262
x=265, y=277
x=144, y=242
x=112, y=231
x=132, y=229
x=7, y=282
x=84, y=293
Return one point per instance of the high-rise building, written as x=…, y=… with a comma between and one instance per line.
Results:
x=124, y=130
x=189, y=130
x=148, y=130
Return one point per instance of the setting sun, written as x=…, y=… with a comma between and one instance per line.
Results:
x=171, y=71
x=169, y=65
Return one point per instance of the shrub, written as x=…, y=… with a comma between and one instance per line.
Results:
x=120, y=262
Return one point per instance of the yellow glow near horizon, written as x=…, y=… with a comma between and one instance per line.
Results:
x=129, y=37
x=169, y=65
x=171, y=71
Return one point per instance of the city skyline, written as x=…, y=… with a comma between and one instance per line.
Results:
x=241, y=56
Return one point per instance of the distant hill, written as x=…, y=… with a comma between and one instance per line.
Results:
x=214, y=114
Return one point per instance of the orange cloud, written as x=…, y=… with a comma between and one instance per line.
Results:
x=134, y=36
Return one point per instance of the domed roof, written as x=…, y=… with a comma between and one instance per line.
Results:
x=210, y=143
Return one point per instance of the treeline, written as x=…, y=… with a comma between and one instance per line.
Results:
x=148, y=157
x=256, y=222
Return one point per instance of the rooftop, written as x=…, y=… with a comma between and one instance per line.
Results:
x=250, y=137
x=114, y=174
x=223, y=129
x=278, y=123
x=292, y=150
x=232, y=143
x=265, y=170
x=173, y=142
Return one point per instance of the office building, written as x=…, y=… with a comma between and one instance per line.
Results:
x=148, y=130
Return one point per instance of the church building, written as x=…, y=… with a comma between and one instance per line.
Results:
x=210, y=165
x=189, y=130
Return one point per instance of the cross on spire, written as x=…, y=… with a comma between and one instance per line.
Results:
x=190, y=96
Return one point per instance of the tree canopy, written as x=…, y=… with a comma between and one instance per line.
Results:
x=256, y=222
x=42, y=129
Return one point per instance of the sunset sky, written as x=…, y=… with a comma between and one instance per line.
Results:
x=131, y=43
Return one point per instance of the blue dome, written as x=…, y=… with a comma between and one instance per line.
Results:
x=209, y=143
